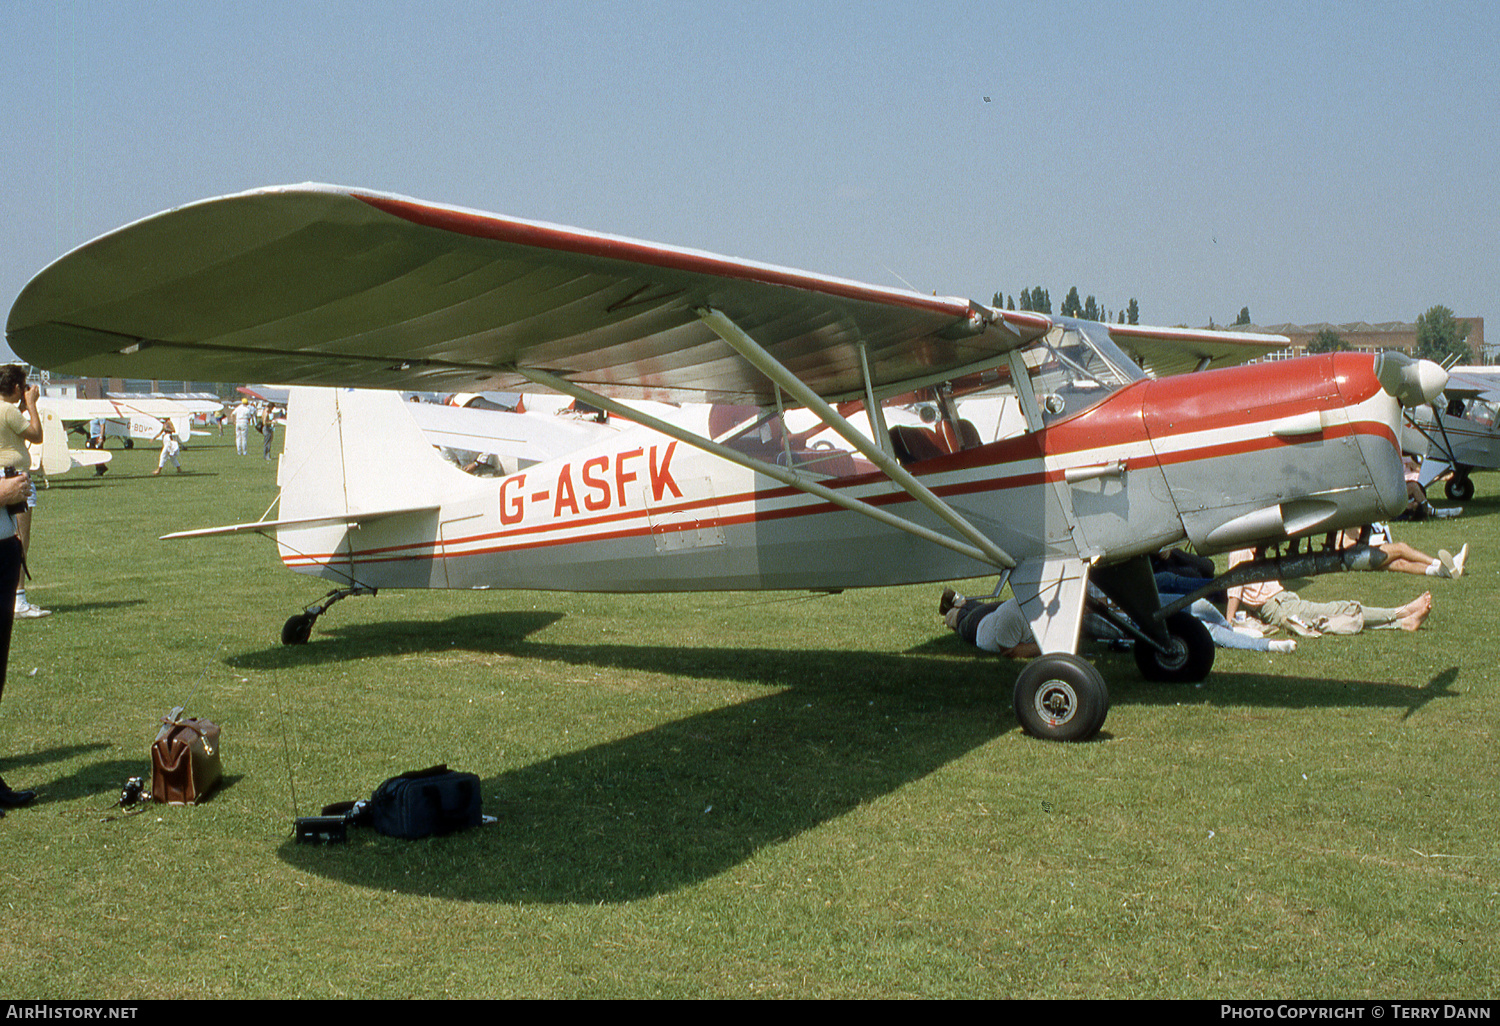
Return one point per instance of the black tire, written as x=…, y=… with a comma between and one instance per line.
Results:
x=1060, y=697
x=1191, y=657
x=1459, y=488
x=297, y=630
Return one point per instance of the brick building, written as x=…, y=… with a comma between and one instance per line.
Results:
x=1370, y=338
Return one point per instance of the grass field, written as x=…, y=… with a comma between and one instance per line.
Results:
x=729, y=795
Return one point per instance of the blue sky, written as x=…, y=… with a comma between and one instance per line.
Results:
x=1312, y=161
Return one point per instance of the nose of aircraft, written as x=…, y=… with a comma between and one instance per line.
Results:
x=1412, y=382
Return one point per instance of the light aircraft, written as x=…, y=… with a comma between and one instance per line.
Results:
x=1462, y=436
x=323, y=285
x=136, y=417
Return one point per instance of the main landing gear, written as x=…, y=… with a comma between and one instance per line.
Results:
x=1186, y=657
x=1459, y=487
x=1061, y=697
x=298, y=628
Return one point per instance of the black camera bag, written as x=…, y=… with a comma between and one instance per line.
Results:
x=424, y=803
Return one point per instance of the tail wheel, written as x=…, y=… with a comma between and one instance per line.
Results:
x=1060, y=697
x=1189, y=656
x=297, y=630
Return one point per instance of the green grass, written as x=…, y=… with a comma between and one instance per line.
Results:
x=720, y=795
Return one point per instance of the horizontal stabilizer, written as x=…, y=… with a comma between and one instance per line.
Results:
x=262, y=526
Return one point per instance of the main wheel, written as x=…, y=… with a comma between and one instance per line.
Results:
x=1460, y=488
x=1060, y=697
x=297, y=629
x=1190, y=653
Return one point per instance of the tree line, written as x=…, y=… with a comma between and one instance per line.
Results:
x=1039, y=300
x=1441, y=337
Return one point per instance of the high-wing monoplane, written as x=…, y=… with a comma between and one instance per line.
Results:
x=319, y=285
x=1460, y=433
x=134, y=418
x=96, y=420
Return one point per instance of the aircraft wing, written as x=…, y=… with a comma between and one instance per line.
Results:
x=275, y=394
x=1473, y=382
x=1165, y=351
x=316, y=284
x=72, y=410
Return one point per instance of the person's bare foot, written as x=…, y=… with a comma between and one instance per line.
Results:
x=1415, y=620
x=1421, y=604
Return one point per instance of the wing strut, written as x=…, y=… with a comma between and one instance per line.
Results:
x=782, y=474
x=773, y=369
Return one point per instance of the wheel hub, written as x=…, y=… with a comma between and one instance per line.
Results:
x=1174, y=656
x=1056, y=702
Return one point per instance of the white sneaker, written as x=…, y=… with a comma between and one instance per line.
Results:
x=27, y=611
x=1283, y=646
x=1453, y=566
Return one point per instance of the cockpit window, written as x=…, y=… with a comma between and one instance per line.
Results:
x=1076, y=366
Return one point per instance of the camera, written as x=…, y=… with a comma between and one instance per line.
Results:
x=19, y=507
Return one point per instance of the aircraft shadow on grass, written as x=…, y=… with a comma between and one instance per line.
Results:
x=687, y=800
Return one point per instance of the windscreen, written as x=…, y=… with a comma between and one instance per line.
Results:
x=1076, y=366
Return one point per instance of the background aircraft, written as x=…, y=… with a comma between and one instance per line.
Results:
x=1463, y=435
x=323, y=285
x=129, y=418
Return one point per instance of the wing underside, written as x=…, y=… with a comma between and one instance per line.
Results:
x=324, y=285
x=1166, y=351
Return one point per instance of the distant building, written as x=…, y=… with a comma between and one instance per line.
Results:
x=100, y=388
x=1367, y=338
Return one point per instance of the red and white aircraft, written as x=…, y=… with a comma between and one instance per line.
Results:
x=329, y=286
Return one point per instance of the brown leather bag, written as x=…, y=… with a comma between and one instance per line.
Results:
x=184, y=759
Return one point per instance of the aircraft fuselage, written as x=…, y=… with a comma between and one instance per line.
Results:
x=1222, y=459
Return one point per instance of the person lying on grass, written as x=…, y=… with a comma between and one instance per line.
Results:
x=1279, y=607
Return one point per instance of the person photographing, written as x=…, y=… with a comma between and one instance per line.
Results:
x=20, y=423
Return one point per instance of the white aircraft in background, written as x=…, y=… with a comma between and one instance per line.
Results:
x=129, y=418
x=1464, y=435
x=322, y=285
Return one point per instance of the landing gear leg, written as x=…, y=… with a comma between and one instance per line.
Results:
x=1177, y=649
x=298, y=628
